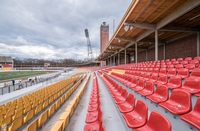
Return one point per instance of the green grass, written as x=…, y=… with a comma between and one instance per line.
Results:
x=19, y=74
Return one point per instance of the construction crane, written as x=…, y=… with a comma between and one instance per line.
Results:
x=89, y=47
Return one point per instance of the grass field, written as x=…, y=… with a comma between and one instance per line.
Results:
x=19, y=74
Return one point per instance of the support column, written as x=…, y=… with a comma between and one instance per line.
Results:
x=156, y=45
x=119, y=58
x=136, y=52
x=114, y=60
x=125, y=56
x=164, y=52
x=146, y=53
x=198, y=43
x=110, y=61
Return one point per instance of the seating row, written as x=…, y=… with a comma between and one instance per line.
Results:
x=135, y=112
x=93, y=120
x=18, y=112
x=64, y=118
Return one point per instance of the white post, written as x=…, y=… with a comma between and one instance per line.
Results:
x=156, y=45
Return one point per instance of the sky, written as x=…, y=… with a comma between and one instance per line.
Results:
x=54, y=29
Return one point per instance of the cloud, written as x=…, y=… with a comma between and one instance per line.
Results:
x=54, y=29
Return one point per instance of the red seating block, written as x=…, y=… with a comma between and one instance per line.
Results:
x=156, y=122
x=148, y=89
x=174, y=82
x=183, y=73
x=160, y=95
x=193, y=117
x=178, y=103
x=128, y=105
x=192, y=85
x=138, y=116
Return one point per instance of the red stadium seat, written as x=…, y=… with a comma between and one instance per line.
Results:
x=183, y=73
x=161, y=94
x=138, y=116
x=163, y=71
x=188, y=58
x=122, y=98
x=196, y=62
x=128, y=105
x=154, y=77
x=193, y=117
x=180, y=59
x=139, y=86
x=179, y=66
x=93, y=116
x=148, y=89
x=156, y=122
x=132, y=83
x=162, y=80
x=174, y=82
x=196, y=72
x=171, y=72
x=179, y=102
x=173, y=60
x=190, y=67
x=192, y=85
x=97, y=126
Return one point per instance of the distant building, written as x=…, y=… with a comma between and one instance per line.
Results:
x=104, y=38
x=6, y=63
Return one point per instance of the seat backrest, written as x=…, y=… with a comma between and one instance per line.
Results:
x=158, y=122
x=196, y=72
x=125, y=93
x=183, y=72
x=141, y=83
x=163, y=78
x=197, y=106
x=149, y=85
x=192, y=82
x=141, y=108
x=131, y=99
x=172, y=71
x=182, y=97
x=163, y=70
x=154, y=76
x=162, y=91
x=176, y=80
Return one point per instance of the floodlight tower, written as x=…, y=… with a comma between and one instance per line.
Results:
x=90, y=55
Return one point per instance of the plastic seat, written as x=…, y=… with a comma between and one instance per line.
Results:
x=183, y=73
x=97, y=126
x=190, y=67
x=132, y=83
x=179, y=102
x=174, y=82
x=163, y=71
x=196, y=72
x=193, y=117
x=128, y=105
x=121, y=98
x=179, y=66
x=139, y=86
x=138, y=116
x=156, y=122
x=92, y=116
x=188, y=58
x=32, y=126
x=171, y=72
x=162, y=80
x=192, y=85
x=154, y=77
x=148, y=89
x=161, y=94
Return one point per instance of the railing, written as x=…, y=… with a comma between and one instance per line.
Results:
x=18, y=86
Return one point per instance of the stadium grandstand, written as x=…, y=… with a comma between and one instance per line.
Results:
x=6, y=63
x=149, y=78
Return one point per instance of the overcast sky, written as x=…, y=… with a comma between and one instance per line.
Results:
x=54, y=29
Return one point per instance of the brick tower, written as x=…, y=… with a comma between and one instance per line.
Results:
x=104, y=36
